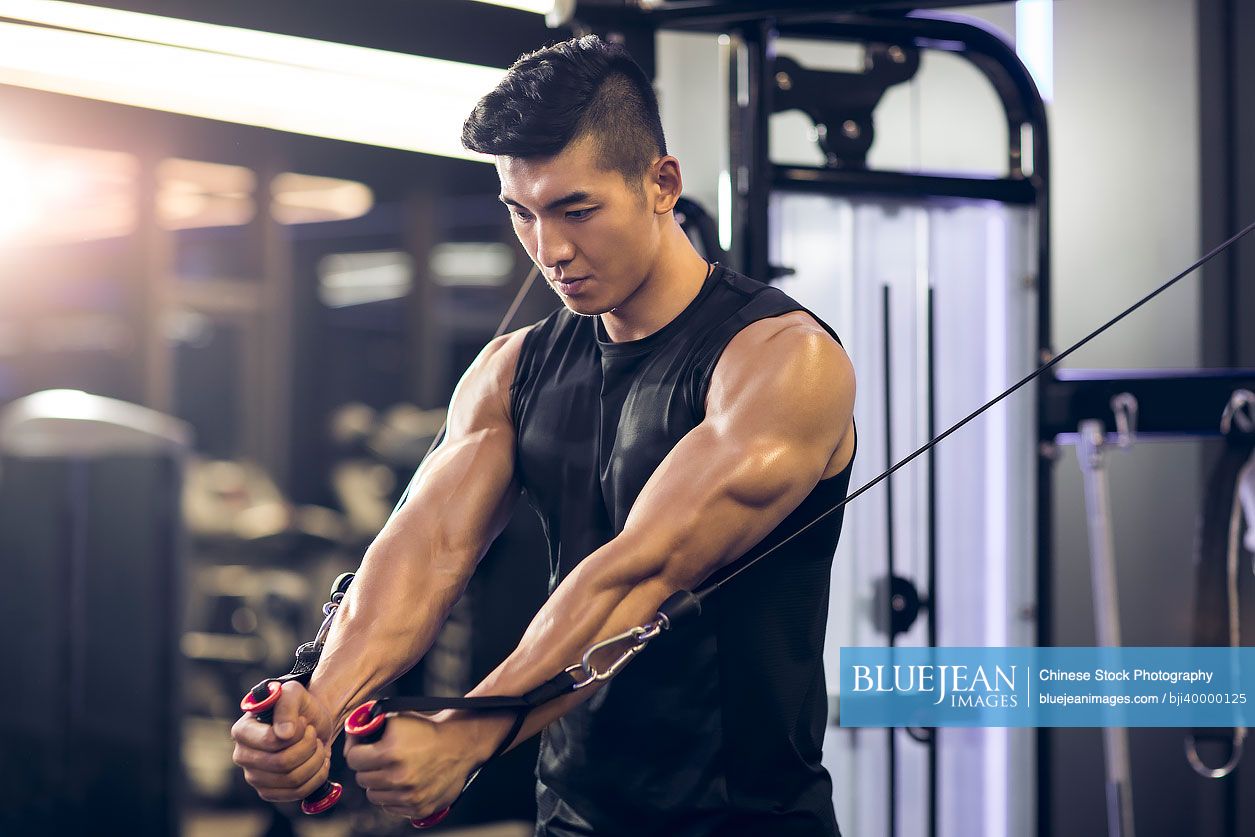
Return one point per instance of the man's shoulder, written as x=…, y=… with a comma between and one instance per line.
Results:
x=500, y=358
x=796, y=333
x=795, y=324
x=507, y=347
x=794, y=344
x=757, y=301
x=518, y=355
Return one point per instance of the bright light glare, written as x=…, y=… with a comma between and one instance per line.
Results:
x=394, y=113
x=51, y=193
x=250, y=43
x=725, y=211
x=346, y=279
x=19, y=205
x=193, y=193
x=540, y=7
x=66, y=404
x=1035, y=42
x=290, y=84
x=557, y=12
x=306, y=199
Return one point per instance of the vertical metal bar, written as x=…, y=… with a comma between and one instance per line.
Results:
x=1092, y=459
x=737, y=80
x=1219, y=113
x=750, y=152
x=932, y=543
x=1044, y=623
x=890, y=568
x=889, y=541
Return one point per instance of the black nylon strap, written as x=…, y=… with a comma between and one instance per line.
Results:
x=302, y=670
x=555, y=687
x=306, y=661
x=432, y=703
x=552, y=688
x=519, y=719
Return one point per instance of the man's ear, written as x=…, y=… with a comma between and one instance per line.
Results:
x=665, y=177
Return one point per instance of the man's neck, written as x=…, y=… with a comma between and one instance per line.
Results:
x=674, y=282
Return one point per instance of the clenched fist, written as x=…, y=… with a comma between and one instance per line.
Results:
x=290, y=759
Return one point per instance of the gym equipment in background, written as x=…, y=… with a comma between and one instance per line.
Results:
x=91, y=534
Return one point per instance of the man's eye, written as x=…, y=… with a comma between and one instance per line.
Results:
x=579, y=214
x=521, y=215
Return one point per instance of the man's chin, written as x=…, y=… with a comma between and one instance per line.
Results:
x=582, y=312
x=584, y=307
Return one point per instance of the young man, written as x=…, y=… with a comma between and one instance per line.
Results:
x=669, y=418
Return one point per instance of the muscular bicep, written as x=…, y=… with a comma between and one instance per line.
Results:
x=463, y=492
x=779, y=409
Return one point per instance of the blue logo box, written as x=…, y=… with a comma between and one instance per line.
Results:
x=1047, y=687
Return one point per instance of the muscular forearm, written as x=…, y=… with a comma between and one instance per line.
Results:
x=390, y=617
x=616, y=588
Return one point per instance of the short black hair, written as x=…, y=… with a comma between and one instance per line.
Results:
x=565, y=92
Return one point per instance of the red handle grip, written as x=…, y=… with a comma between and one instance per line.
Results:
x=260, y=700
x=369, y=728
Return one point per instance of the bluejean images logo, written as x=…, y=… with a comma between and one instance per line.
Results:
x=958, y=686
x=1046, y=687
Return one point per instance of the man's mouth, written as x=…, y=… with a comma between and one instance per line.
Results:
x=570, y=287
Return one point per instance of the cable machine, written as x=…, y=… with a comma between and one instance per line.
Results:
x=939, y=287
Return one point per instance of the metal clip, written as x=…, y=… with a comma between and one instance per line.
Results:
x=329, y=611
x=638, y=636
x=1233, y=412
x=1236, y=744
x=1124, y=406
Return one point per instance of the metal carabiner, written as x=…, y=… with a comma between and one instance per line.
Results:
x=639, y=636
x=1233, y=412
x=1236, y=745
x=329, y=612
x=1124, y=407
x=338, y=590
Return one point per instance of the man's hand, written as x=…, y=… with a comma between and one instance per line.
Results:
x=290, y=759
x=421, y=764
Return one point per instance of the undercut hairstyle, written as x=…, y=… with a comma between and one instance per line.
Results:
x=566, y=92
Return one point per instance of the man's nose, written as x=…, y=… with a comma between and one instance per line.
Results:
x=552, y=247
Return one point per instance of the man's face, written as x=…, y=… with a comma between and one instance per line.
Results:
x=591, y=233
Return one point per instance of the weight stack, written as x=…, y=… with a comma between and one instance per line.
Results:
x=91, y=548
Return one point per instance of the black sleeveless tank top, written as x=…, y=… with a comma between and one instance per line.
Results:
x=717, y=728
